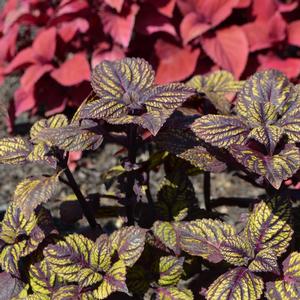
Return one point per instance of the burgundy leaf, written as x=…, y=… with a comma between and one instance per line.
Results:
x=68, y=30
x=293, y=31
x=9, y=286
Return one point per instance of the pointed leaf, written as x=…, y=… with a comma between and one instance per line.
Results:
x=88, y=277
x=274, y=168
x=44, y=44
x=265, y=261
x=204, y=237
x=114, y=281
x=220, y=131
x=238, y=283
x=129, y=243
x=170, y=269
x=35, y=190
x=100, y=255
x=268, y=227
x=14, y=150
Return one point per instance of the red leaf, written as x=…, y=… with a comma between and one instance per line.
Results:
x=8, y=43
x=116, y=4
x=72, y=71
x=68, y=30
x=71, y=7
x=44, y=44
x=73, y=158
x=119, y=26
x=243, y=3
x=229, y=49
x=33, y=74
x=289, y=66
x=175, y=63
x=262, y=33
x=105, y=52
x=24, y=100
x=149, y=21
x=202, y=15
x=294, y=33
x=26, y=56
x=165, y=7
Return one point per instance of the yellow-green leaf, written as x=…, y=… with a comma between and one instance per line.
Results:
x=170, y=269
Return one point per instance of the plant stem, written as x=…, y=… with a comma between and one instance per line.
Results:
x=81, y=199
x=206, y=189
x=130, y=194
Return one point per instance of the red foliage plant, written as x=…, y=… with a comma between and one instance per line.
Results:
x=51, y=45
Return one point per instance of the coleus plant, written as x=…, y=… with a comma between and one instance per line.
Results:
x=167, y=246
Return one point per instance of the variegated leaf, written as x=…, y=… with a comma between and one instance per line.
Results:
x=14, y=150
x=67, y=258
x=204, y=237
x=42, y=125
x=265, y=86
x=129, y=243
x=274, y=168
x=236, y=251
x=100, y=258
x=42, y=280
x=268, y=226
x=41, y=154
x=88, y=277
x=114, y=281
x=33, y=191
x=170, y=269
x=291, y=267
x=220, y=131
x=265, y=261
x=238, y=283
x=166, y=233
x=70, y=292
x=173, y=293
x=282, y=290
x=215, y=86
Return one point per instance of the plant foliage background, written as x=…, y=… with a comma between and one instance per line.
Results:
x=182, y=88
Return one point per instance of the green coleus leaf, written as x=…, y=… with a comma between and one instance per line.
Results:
x=289, y=287
x=204, y=237
x=69, y=292
x=215, y=86
x=166, y=233
x=170, y=269
x=265, y=261
x=268, y=226
x=42, y=280
x=100, y=258
x=220, y=131
x=68, y=257
x=129, y=243
x=275, y=168
x=265, y=86
x=236, y=251
x=238, y=283
x=114, y=281
x=173, y=293
x=33, y=191
x=14, y=150
x=125, y=93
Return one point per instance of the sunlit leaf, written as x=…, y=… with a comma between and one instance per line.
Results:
x=67, y=258
x=238, y=283
x=265, y=86
x=221, y=131
x=173, y=293
x=236, y=251
x=274, y=168
x=265, y=261
x=88, y=277
x=129, y=243
x=166, y=233
x=170, y=269
x=100, y=257
x=14, y=150
x=114, y=281
x=268, y=226
x=204, y=237
x=33, y=191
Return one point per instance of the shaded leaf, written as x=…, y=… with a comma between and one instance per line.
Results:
x=238, y=283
